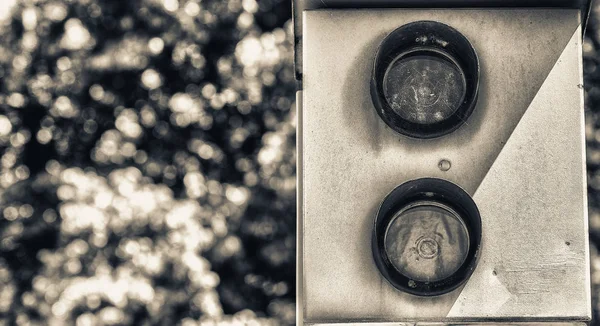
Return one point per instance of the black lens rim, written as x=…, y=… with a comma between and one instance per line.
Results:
x=434, y=37
x=427, y=190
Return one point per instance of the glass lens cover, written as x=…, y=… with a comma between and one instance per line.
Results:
x=424, y=87
x=427, y=242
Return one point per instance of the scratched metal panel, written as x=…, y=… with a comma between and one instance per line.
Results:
x=299, y=6
x=534, y=213
x=350, y=160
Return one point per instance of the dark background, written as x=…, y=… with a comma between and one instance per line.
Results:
x=147, y=161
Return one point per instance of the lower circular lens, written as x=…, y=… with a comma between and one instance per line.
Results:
x=424, y=86
x=427, y=241
x=427, y=237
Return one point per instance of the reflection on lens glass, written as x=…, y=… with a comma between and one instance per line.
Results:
x=427, y=242
x=424, y=87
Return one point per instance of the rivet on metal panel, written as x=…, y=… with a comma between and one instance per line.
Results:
x=444, y=165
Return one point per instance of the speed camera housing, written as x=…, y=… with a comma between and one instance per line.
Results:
x=441, y=176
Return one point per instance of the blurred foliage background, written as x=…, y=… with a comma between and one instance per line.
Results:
x=147, y=162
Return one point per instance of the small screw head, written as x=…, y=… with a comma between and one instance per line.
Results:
x=444, y=165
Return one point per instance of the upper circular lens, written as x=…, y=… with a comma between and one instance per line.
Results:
x=427, y=242
x=425, y=79
x=424, y=87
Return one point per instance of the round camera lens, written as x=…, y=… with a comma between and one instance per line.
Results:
x=425, y=79
x=427, y=241
x=427, y=236
x=424, y=86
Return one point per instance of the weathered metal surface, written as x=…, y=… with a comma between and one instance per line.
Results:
x=299, y=6
x=531, y=205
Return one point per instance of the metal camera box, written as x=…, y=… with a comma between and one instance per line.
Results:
x=515, y=161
